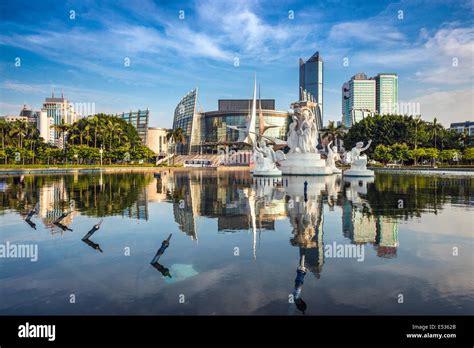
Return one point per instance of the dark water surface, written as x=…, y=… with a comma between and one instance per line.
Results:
x=396, y=244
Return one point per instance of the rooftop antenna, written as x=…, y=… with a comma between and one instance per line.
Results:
x=62, y=93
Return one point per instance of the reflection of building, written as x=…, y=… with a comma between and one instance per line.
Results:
x=387, y=234
x=362, y=226
x=138, y=209
x=156, y=141
x=207, y=132
x=138, y=119
x=54, y=201
x=311, y=79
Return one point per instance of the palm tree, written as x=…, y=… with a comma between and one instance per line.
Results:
x=62, y=129
x=332, y=132
x=176, y=136
x=19, y=128
x=5, y=127
x=114, y=129
x=418, y=123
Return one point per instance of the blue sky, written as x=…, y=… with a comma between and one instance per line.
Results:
x=169, y=56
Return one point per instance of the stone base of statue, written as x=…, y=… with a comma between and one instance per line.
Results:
x=308, y=163
x=359, y=168
x=266, y=172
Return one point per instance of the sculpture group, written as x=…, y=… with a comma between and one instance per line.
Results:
x=302, y=157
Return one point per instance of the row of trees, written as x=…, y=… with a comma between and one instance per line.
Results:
x=412, y=131
x=84, y=142
x=401, y=153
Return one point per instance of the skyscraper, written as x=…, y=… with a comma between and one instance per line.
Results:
x=386, y=93
x=358, y=99
x=311, y=78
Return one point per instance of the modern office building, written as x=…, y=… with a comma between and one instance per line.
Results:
x=364, y=96
x=207, y=132
x=186, y=117
x=311, y=79
x=216, y=134
x=157, y=142
x=62, y=112
x=358, y=99
x=386, y=93
x=139, y=119
x=460, y=127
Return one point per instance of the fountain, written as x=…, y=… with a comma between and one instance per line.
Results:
x=303, y=157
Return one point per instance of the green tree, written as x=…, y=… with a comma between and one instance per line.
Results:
x=468, y=154
x=416, y=154
x=383, y=153
x=399, y=152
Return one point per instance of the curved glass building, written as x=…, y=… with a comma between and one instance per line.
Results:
x=186, y=118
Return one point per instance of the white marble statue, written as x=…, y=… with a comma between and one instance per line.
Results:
x=358, y=162
x=302, y=132
x=333, y=156
x=265, y=159
x=292, y=136
x=303, y=158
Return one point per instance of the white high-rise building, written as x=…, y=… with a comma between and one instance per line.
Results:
x=44, y=126
x=61, y=111
x=363, y=96
x=358, y=99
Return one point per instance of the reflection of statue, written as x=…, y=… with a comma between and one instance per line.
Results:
x=333, y=156
x=89, y=234
x=358, y=162
x=162, y=269
x=299, y=281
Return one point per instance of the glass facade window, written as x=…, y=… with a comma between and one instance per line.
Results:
x=185, y=118
x=139, y=119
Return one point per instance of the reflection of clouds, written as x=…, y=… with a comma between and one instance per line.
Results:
x=450, y=221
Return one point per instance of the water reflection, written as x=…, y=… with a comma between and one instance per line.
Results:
x=86, y=238
x=307, y=214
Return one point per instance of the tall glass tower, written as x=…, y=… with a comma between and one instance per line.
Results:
x=311, y=78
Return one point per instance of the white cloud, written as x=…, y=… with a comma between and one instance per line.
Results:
x=369, y=31
x=447, y=106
